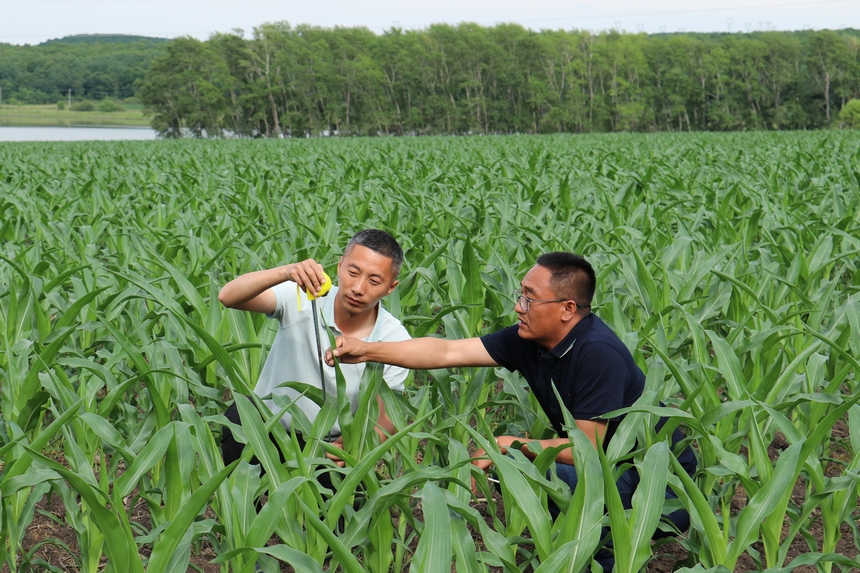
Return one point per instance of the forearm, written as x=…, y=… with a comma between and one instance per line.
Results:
x=244, y=288
x=593, y=429
x=428, y=353
x=565, y=456
x=384, y=426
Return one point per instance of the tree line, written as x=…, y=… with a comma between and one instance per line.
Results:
x=93, y=67
x=303, y=80
x=299, y=81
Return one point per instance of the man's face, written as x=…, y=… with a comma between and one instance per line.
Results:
x=542, y=321
x=364, y=277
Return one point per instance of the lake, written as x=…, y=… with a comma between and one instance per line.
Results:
x=88, y=133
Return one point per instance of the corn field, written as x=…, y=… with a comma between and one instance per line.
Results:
x=726, y=263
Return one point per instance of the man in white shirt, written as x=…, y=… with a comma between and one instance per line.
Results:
x=366, y=273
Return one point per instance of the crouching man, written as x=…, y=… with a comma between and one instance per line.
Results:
x=557, y=340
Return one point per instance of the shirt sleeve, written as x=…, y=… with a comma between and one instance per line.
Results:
x=601, y=377
x=503, y=345
x=286, y=304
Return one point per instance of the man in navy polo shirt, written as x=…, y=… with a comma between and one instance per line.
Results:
x=557, y=339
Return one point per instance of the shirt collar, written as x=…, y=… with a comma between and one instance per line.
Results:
x=566, y=344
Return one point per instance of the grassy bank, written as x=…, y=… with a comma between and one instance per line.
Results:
x=49, y=115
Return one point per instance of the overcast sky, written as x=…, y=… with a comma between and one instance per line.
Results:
x=34, y=21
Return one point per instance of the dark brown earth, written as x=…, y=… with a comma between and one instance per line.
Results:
x=50, y=541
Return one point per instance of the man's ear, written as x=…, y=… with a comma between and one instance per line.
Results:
x=570, y=308
x=391, y=288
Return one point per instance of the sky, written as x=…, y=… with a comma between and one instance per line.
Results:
x=35, y=21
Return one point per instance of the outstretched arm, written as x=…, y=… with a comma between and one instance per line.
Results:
x=415, y=354
x=251, y=291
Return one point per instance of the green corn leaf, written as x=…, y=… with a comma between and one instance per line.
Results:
x=765, y=501
x=151, y=454
x=648, y=502
x=163, y=549
x=434, y=551
x=579, y=536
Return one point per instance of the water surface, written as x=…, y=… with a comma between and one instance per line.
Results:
x=89, y=133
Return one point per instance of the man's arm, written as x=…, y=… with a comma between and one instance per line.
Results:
x=415, y=354
x=385, y=427
x=590, y=428
x=252, y=292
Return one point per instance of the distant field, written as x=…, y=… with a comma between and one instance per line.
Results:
x=49, y=115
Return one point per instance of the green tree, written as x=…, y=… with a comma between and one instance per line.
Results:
x=849, y=115
x=186, y=89
x=470, y=79
x=827, y=60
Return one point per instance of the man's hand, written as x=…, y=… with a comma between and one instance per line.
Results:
x=308, y=275
x=504, y=442
x=338, y=443
x=348, y=350
x=483, y=463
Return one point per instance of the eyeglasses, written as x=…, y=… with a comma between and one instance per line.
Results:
x=525, y=301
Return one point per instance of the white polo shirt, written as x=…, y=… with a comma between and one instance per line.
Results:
x=293, y=355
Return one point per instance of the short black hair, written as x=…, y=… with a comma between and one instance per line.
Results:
x=380, y=242
x=572, y=277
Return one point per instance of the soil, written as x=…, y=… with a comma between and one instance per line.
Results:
x=51, y=542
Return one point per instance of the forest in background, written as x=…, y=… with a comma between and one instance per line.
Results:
x=93, y=67
x=303, y=80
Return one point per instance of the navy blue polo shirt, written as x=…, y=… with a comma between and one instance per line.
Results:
x=591, y=368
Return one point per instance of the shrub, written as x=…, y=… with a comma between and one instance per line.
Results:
x=849, y=116
x=85, y=105
x=61, y=104
x=109, y=106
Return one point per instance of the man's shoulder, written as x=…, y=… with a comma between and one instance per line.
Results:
x=600, y=341
x=509, y=349
x=598, y=331
x=507, y=336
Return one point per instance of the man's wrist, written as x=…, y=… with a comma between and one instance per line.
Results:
x=287, y=271
x=369, y=354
